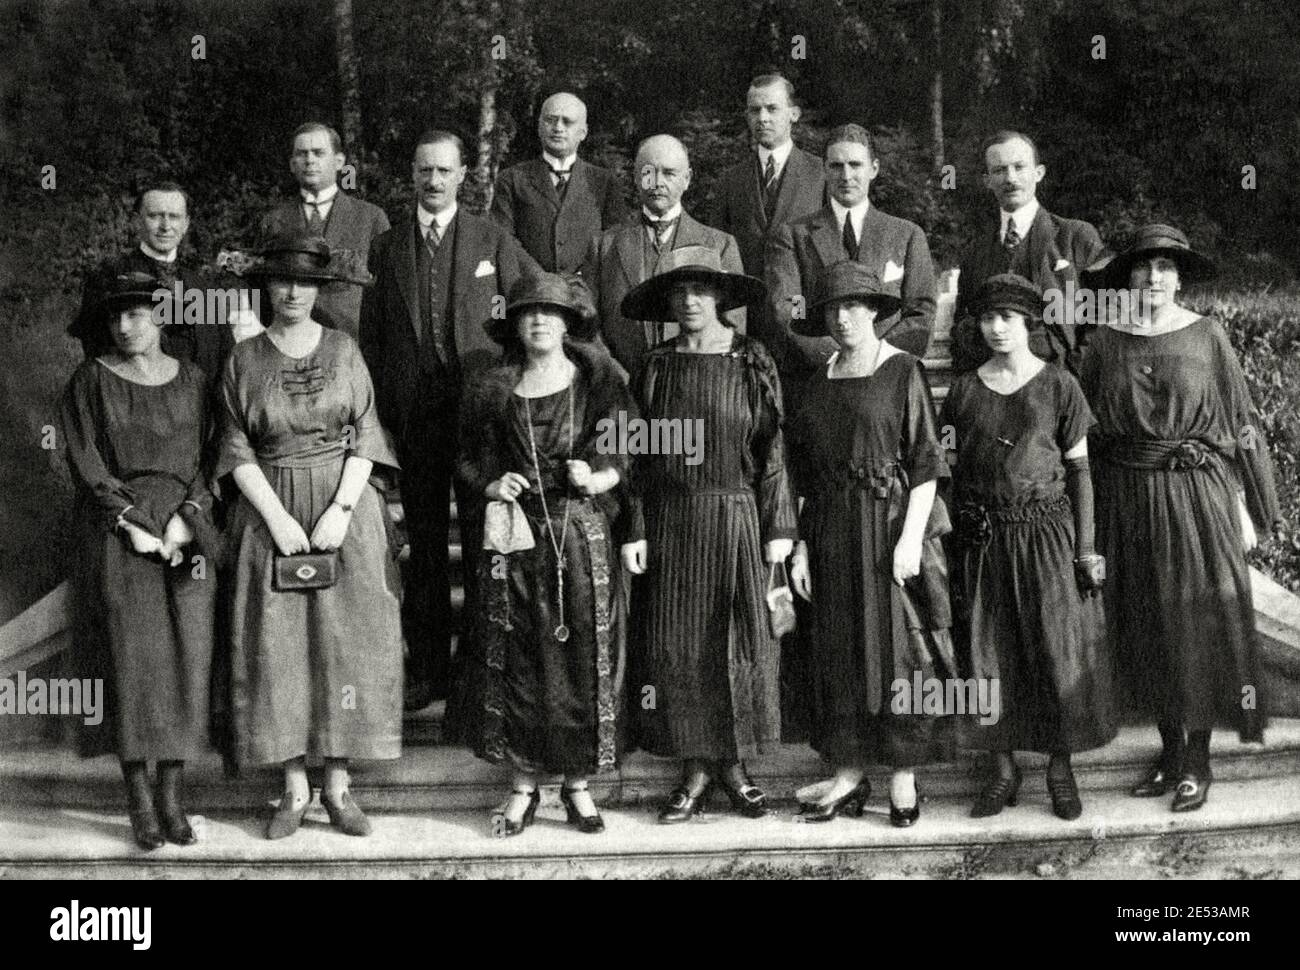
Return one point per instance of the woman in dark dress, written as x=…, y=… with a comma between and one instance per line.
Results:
x=706, y=518
x=1183, y=480
x=1025, y=565
x=552, y=626
x=136, y=423
x=866, y=461
x=315, y=672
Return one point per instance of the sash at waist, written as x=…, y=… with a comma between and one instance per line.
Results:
x=1156, y=454
x=326, y=454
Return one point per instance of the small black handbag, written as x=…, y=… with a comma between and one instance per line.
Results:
x=307, y=570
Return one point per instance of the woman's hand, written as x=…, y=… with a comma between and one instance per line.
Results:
x=800, y=577
x=907, y=559
x=331, y=528
x=288, y=535
x=507, y=488
x=634, y=557
x=142, y=542
x=778, y=550
x=1249, y=539
x=176, y=537
x=579, y=475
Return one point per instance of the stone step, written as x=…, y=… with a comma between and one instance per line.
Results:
x=1247, y=830
x=449, y=778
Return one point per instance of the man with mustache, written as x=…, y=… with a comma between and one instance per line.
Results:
x=321, y=208
x=626, y=255
x=1027, y=240
x=849, y=227
x=440, y=273
x=161, y=221
x=555, y=204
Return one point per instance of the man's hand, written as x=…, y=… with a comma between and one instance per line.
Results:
x=800, y=576
x=634, y=557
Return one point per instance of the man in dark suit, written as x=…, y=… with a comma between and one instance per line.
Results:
x=848, y=228
x=440, y=274
x=627, y=254
x=161, y=221
x=348, y=224
x=780, y=182
x=1026, y=239
x=555, y=204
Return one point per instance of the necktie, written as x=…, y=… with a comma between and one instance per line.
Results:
x=433, y=236
x=769, y=187
x=850, y=240
x=315, y=224
x=662, y=228
x=1012, y=238
x=561, y=180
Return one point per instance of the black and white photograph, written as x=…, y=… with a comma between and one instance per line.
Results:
x=749, y=440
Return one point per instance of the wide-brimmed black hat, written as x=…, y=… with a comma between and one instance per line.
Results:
x=847, y=280
x=650, y=300
x=306, y=258
x=565, y=293
x=1009, y=291
x=1156, y=239
x=122, y=290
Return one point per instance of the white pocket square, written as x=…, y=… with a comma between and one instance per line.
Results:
x=892, y=272
x=1060, y=265
x=485, y=268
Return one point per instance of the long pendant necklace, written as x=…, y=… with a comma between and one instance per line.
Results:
x=561, y=631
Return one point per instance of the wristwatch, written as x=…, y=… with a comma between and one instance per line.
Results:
x=345, y=508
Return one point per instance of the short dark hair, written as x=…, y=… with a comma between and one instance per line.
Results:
x=440, y=136
x=854, y=134
x=1004, y=135
x=159, y=185
x=336, y=142
x=767, y=80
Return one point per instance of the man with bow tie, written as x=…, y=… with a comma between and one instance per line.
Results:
x=626, y=255
x=161, y=221
x=440, y=274
x=321, y=208
x=1026, y=239
x=775, y=184
x=555, y=204
x=849, y=227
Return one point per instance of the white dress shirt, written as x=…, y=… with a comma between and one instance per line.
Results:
x=857, y=214
x=154, y=254
x=564, y=165
x=1024, y=218
x=443, y=219
x=323, y=200
x=779, y=155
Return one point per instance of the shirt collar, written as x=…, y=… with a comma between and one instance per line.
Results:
x=155, y=255
x=1024, y=217
x=674, y=213
x=443, y=218
x=858, y=213
x=323, y=197
x=560, y=164
x=781, y=153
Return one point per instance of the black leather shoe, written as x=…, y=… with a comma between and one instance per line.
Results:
x=997, y=796
x=1065, y=797
x=587, y=824
x=345, y=815
x=1159, y=779
x=746, y=797
x=510, y=827
x=682, y=805
x=902, y=818
x=145, y=828
x=1191, y=792
x=167, y=799
x=286, y=819
x=853, y=802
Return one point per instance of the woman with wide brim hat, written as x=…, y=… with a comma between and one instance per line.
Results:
x=714, y=503
x=136, y=423
x=1184, y=481
x=866, y=459
x=315, y=673
x=544, y=696
x=1024, y=558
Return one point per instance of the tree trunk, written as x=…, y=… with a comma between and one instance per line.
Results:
x=349, y=79
x=485, y=166
x=936, y=88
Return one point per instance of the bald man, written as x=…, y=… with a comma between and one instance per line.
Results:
x=555, y=204
x=627, y=254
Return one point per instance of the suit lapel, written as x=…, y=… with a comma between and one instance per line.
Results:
x=339, y=217
x=628, y=245
x=405, y=270
x=539, y=174
x=825, y=236
x=689, y=232
x=468, y=248
x=791, y=178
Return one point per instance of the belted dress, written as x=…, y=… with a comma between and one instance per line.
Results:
x=313, y=672
x=1177, y=442
x=857, y=447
